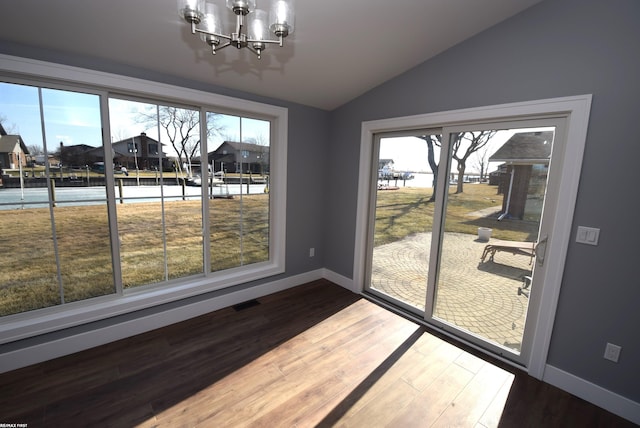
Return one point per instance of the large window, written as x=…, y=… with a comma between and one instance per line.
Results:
x=124, y=200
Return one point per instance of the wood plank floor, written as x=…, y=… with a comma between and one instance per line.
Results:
x=316, y=355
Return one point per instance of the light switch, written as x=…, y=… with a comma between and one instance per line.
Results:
x=588, y=235
x=582, y=234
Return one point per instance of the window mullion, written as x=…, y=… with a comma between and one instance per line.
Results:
x=206, y=235
x=111, y=198
x=54, y=234
x=162, y=213
x=241, y=219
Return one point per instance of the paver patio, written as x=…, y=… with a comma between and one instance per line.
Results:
x=479, y=297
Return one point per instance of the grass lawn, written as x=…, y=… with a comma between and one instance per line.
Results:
x=406, y=211
x=239, y=234
x=28, y=273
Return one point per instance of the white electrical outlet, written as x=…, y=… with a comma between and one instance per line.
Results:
x=612, y=352
x=312, y=252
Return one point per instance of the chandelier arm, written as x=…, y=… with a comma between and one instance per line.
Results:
x=224, y=36
x=263, y=41
x=217, y=48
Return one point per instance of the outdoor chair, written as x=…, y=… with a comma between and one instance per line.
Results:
x=514, y=247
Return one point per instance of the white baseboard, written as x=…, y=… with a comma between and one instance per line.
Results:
x=67, y=345
x=340, y=280
x=593, y=393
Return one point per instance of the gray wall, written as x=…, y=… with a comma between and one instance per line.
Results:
x=557, y=48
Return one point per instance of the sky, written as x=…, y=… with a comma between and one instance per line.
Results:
x=74, y=118
x=19, y=109
x=410, y=153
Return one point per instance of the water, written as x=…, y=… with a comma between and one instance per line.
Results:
x=418, y=180
x=38, y=197
x=70, y=196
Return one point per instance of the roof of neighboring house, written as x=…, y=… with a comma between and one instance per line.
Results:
x=77, y=148
x=244, y=146
x=121, y=147
x=525, y=148
x=8, y=143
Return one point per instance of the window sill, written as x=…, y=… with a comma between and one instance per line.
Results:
x=42, y=321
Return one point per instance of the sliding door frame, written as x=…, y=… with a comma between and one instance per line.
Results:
x=545, y=229
x=373, y=193
x=575, y=111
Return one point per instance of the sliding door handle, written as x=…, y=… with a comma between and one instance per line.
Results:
x=540, y=252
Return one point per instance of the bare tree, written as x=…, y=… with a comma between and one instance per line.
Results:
x=120, y=134
x=181, y=126
x=35, y=149
x=9, y=128
x=464, y=145
x=432, y=142
x=482, y=162
x=259, y=140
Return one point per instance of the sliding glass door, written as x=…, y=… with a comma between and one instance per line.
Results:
x=490, y=237
x=457, y=230
x=403, y=202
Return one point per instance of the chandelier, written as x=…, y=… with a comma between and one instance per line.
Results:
x=205, y=19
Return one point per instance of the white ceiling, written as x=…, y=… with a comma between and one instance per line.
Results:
x=339, y=50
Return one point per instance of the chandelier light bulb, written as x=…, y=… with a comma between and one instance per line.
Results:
x=211, y=25
x=258, y=30
x=191, y=10
x=242, y=7
x=282, y=17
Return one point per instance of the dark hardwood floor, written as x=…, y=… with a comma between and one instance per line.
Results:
x=316, y=355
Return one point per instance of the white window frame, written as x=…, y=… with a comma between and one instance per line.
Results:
x=28, y=324
x=576, y=110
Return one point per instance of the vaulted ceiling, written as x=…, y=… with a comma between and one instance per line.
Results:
x=339, y=50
